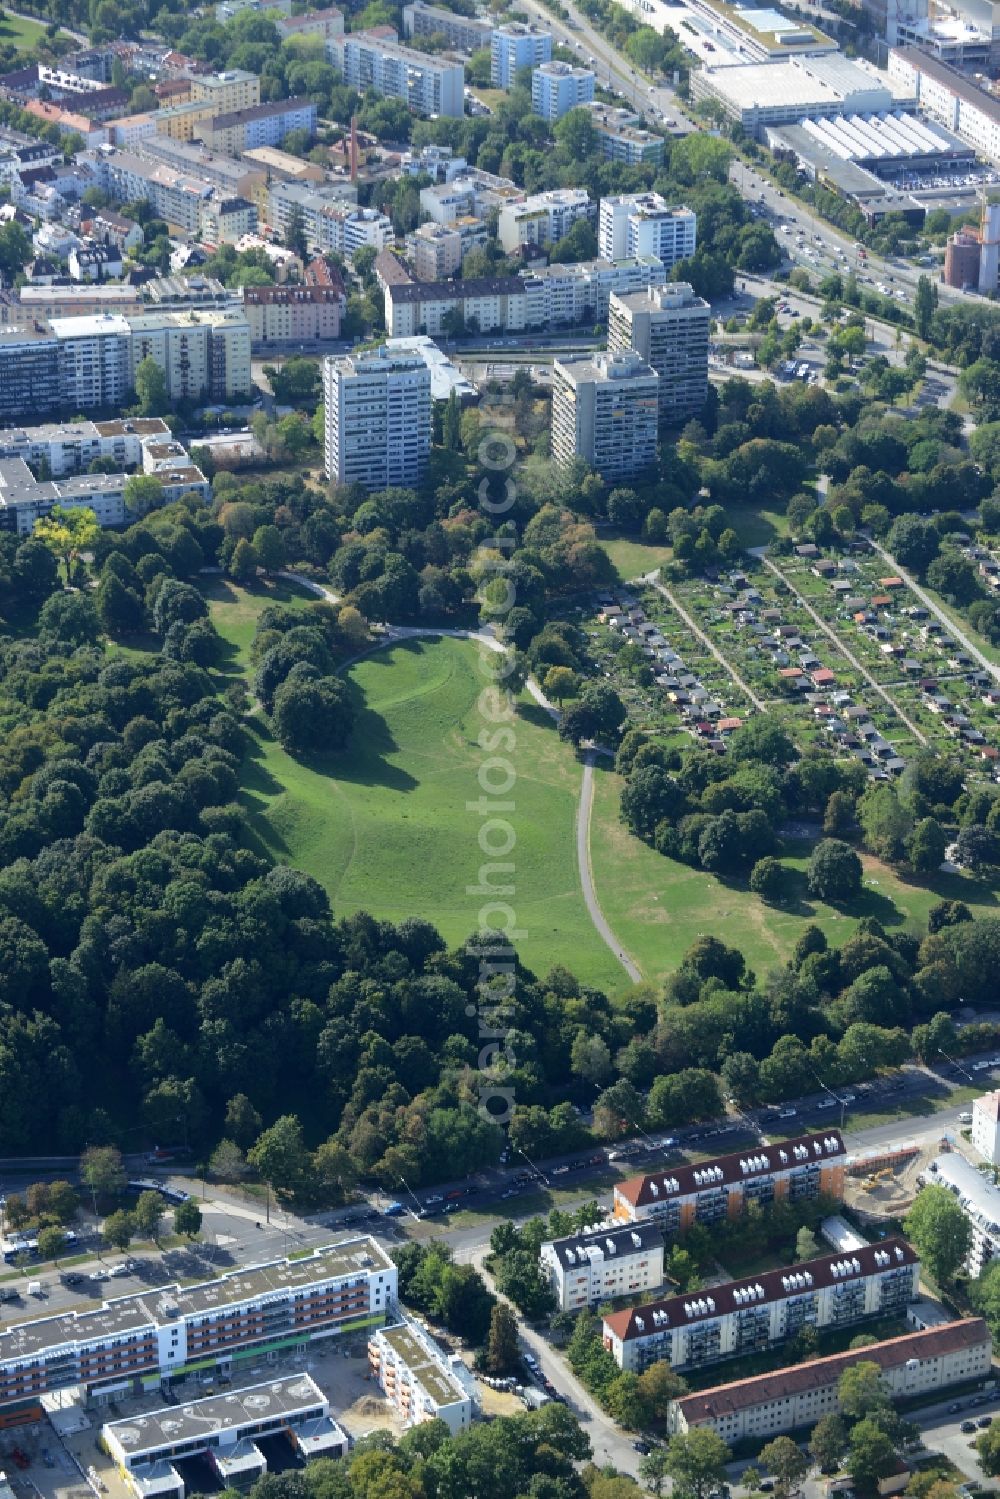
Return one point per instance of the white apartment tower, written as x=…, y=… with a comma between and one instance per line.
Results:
x=635, y=224
x=378, y=418
x=604, y=410
x=514, y=47
x=668, y=327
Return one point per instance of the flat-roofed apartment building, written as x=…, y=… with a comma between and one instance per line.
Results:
x=224, y=1429
x=422, y=1382
x=604, y=410
x=808, y=1166
x=465, y=33
x=668, y=327
x=378, y=418
x=793, y=1399
x=605, y=1262
x=293, y=314
x=137, y=1342
x=70, y=447
x=428, y=85
x=747, y=1316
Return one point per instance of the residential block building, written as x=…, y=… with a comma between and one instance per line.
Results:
x=604, y=410
x=622, y=138
x=378, y=418
x=986, y=1127
x=792, y=1399
x=645, y=224
x=133, y=1341
x=514, y=47
x=325, y=23
x=486, y=303
x=423, y=1383
x=807, y=1167
x=603, y=1263
x=71, y=447
x=222, y=1428
x=464, y=33
x=30, y=375
x=96, y=364
x=743, y=1317
x=329, y=220
x=233, y=89
x=436, y=251
x=204, y=352
x=25, y=499
x=668, y=326
x=558, y=87
x=173, y=194
x=543, y=218
x=293, y=314
x=240, y=130
x=472, y=192
x=78, y=301
x=561, y=295
x=428, y=85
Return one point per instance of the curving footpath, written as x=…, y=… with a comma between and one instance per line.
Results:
x=392, y=635
x=601, y=927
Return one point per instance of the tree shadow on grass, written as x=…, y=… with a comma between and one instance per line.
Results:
x=534, y=713
x=797, y=901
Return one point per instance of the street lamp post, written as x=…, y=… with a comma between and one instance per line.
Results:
x=835, y=1096
x=961, y=1069
x=537, y=1169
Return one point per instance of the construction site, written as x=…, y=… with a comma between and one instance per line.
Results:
x=882, y=1183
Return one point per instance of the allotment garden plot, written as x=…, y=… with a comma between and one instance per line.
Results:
x=839, y=651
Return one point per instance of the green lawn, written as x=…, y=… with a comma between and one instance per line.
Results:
x=384, y=826
x=658, y=907
x=632, y=558
x=19, y=32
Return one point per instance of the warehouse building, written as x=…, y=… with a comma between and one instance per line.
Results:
x=780, y=93
x=423, y=1383
x=794, y=1399
x=807, y=1167
x=608, y=1261
x=743, y=1317
x=153, y=1338
x=761, y=32
x=225, y=1429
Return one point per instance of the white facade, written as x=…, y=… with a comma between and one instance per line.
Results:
x=467, y=33
x=556, y=88
x=602, y=1264
x=514, y=47
x=748, y=1316
x=421, y=1381
x=644, y=224
x=986, y=1127
x=567, y=294
x=668, y=326
x=490, y=303
x=95, y=358
x=604, y=411
x=950, y=98
x=328, y=221
x=542, y=219
x=378, y=419
x=428, y=85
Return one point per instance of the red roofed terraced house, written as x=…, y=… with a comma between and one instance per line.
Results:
x=809, y=1166
x=746, y=1316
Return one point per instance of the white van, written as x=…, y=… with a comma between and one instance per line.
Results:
x=35, y=1288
